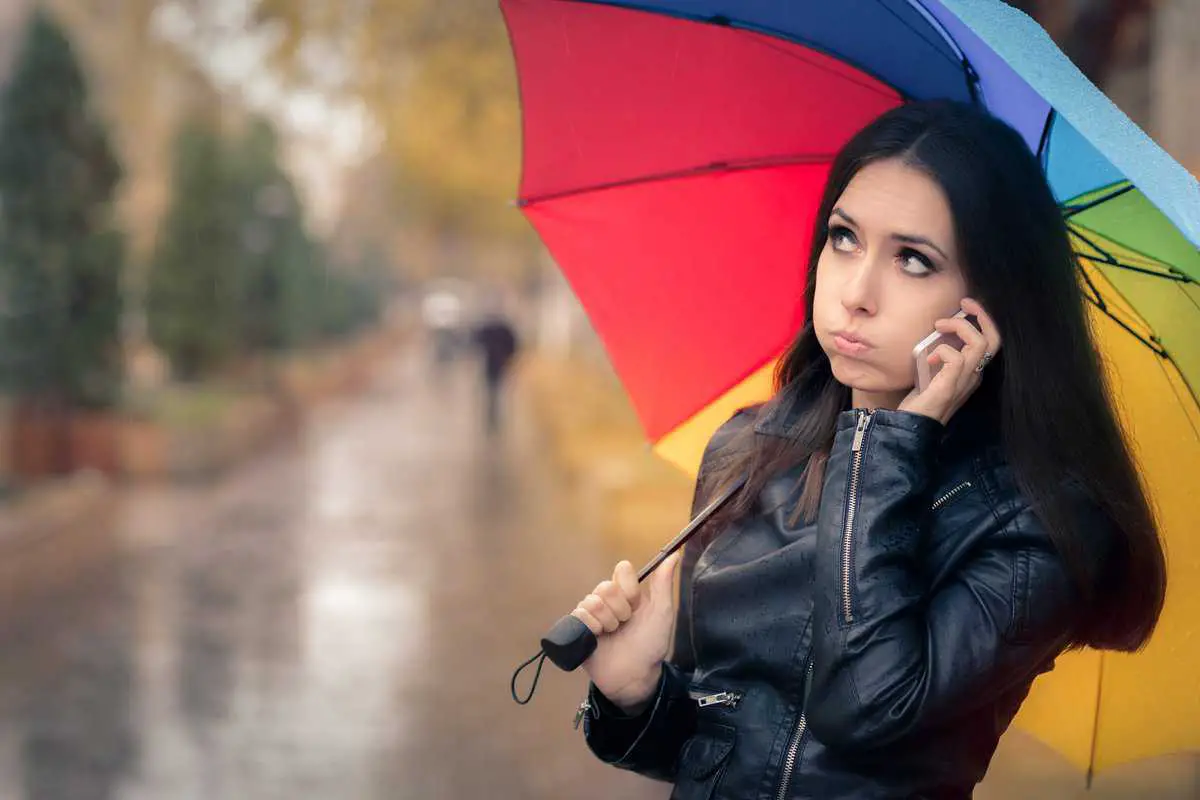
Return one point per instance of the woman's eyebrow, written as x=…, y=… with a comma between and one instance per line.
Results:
x=906, y=238
x=909, y=239
x=845, y=216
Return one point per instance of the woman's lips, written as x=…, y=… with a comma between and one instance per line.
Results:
x=849, y=345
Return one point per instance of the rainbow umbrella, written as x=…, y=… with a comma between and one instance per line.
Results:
x=675, y=151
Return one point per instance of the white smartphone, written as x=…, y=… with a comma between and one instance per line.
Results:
x=926, y=372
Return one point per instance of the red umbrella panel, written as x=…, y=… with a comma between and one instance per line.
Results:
x=673, y=170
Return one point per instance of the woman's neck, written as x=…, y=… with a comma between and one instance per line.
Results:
x=876, y=400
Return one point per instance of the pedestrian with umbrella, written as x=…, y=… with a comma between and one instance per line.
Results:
x=974, y=283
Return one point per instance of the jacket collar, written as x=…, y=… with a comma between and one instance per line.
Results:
x=973, y=425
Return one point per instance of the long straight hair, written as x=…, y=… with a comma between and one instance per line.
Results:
x=1051, y=403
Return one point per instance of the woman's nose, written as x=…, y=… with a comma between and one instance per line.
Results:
x=860, y=290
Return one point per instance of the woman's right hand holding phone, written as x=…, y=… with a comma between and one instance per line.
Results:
x=961, y=372
x=633, y=623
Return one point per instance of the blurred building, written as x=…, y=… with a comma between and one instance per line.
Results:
x=1175, y=80
x=1145, y=54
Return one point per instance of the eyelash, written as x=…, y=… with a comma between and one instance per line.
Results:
x=840, y=231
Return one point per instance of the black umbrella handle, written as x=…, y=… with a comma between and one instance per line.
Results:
x=570, y=643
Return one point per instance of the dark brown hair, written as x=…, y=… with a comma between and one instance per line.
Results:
x=1051, y=404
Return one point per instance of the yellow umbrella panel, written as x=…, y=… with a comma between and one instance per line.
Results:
x=1102, y=709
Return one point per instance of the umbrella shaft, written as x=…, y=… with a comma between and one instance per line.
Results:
x=693, y=526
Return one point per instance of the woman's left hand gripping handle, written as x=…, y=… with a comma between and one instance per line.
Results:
x=633, y=623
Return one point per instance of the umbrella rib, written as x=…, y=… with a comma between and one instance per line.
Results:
x=1195, y=301
x=1150, y=342
x=1044, y=142
x=921, y=36
x=871, y=87
x=1108, y=259
x=1097, y=299
x=1187, y=385
x=1095, y=296
x=1091, y=771
x=688, y=172
x=1073, y=210
x=723, y=21
x=1170, y=276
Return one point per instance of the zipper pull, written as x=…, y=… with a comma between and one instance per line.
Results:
x=584, y=708
x=863, y=421
x=730, y=699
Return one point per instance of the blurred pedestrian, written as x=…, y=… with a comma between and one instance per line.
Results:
x=498, y=345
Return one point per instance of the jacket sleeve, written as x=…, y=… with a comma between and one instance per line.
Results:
x=650, y=742
x=889, y=657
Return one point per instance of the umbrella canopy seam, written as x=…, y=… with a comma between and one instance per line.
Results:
x=1172, y=272
x=715, y=167
x=723, y=21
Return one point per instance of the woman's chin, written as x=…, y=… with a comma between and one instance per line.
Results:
x=866, y=379
x=856, y=374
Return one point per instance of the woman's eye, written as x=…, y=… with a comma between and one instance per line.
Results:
x=842, y=238
x=916, y=264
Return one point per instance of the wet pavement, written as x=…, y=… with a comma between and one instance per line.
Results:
x=337, y=619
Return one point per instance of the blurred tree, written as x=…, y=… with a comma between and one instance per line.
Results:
x=358, y=291
x=337, y=300
x=290, y=291
x=192, y=292
x=306, y=291
x=439, y=78
x=144, y=86
x=270, y=237
x=60, y=254
x=237, y=272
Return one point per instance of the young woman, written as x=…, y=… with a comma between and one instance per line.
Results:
x=865, y=617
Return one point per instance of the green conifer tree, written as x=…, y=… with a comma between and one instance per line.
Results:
x=192, y=291
x=61, y=254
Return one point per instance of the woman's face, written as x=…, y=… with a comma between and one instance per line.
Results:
x=888, y=270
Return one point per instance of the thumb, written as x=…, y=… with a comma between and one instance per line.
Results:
x=662, y=582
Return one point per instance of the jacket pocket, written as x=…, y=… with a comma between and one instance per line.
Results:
x=703, y=761
x=947, y=497
x=1019, y=628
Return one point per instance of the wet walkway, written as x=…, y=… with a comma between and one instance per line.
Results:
x=337, y=619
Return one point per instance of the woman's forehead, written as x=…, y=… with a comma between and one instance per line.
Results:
x=889, y=197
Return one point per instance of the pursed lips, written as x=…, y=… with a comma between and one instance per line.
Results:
x=850, y=344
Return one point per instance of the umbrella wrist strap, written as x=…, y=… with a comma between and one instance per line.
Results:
x=540, y=658
x=671, y=547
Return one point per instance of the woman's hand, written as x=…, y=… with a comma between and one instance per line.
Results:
x=959, y=376
x=633, y=624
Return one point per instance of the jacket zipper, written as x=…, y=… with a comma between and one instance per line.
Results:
x=792, y=755
x=856, y=458
x=584, y=709
x=730, y=699
x=950, y=495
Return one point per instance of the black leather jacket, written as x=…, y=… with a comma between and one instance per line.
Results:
x=879, y=652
